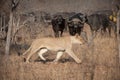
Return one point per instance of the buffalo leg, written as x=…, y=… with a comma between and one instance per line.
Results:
x=61, y=33
x=109, y=30
x=56, y=34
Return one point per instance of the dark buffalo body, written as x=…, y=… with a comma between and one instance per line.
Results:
x=106, y=21
x=99, y=22
x=58, y=25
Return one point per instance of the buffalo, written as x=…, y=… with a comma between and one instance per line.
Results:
x=108, y=20
x=58, y=25
x=75, y=26
x=76, y=23
x=99, y=22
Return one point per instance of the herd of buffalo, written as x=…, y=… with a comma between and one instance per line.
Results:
x=103, y=21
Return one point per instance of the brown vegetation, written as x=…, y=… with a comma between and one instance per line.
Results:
x=100, y=62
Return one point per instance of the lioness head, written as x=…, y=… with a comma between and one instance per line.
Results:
x=79, y=39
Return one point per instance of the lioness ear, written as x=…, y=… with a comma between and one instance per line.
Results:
x=76, y=35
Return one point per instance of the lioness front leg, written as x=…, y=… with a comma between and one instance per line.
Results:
x=71, y=53
x=59, y=54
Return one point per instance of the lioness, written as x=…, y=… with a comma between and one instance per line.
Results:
x=61, y=45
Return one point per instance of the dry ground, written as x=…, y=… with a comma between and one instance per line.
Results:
x=99, y=62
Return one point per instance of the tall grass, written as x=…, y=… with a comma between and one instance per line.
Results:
x=99, y=62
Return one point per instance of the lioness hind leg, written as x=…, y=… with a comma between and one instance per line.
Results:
x=31, y=54
x=41, y=52
x=59, y=54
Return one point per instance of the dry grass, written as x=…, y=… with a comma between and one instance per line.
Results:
x=100, y=62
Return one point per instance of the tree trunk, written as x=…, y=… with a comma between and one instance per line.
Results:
x=118, y=37
x=8, y=41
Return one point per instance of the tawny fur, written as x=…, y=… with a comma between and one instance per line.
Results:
x=62, y=44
